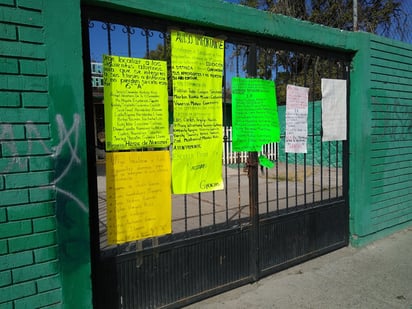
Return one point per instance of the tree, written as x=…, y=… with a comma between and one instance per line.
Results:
x=375, y=16
x=382, y=17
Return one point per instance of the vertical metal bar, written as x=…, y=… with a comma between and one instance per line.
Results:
x=295, y=78
x=337, y=169
x=200, y=211
x=253, y=183
x=329, y=143
x=239, y=207
x=225, y=132
x=296, y=179
x=147, y=34
x=277, y=146
x=225, y=139
x=108, y=27
x=128, y=30
x=238, y=50
x=277, y=177
x=321, y=152
x=163, y=36
x=185, y=206
x=313, y=128
x=214, y=208
x=266, y=171
x=287, y=180
x=342, y=75
x=304, y=155
x=321, y=170
x=237, y=60
x=329, y=169
x=265, y=147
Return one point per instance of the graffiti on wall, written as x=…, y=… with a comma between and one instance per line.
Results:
x=392, y=120
x=68, y=139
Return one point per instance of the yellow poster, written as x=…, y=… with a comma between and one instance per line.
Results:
x=139, y=203
x=197, y=70
x=135, y=103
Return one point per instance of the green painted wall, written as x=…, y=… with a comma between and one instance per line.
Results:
x=380, y=180
x=44, y=229
x=44, y=233
x=388, y=169
x=66, y=95
x=359, y=136
x=391, y=133
x=29, y=259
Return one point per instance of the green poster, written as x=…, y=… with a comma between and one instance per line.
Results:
x=265, y=162
x=254, y=114
x=197, y=70
x=135, y=103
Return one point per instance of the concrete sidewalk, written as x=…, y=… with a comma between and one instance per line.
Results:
x=376, y=276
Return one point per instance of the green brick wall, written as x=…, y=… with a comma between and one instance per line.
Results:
x=380, y=179
x=44, y=256
x=391, y=134
x=29, y=263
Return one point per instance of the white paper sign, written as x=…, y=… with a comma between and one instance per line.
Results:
x=296, y=119
x=333, y=109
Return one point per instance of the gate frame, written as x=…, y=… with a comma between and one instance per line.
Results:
x=254, y=238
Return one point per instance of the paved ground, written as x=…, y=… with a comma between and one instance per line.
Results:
x=376, y=276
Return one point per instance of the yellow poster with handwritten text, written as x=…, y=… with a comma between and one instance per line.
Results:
x=197, y=70
x=135, y=103
x=138, y=192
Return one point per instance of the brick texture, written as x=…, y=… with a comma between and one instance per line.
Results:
x=15, y=229
x=50, y=283
x=8, y=2
x=45, y=254
x=30, y=211
x=34, y=272
x=7, y=65
x=32, y=242
x=9, y=99
x=40, y=163
x=29, y=264
x=5, y=278
x=35, y=99
x=3, y=247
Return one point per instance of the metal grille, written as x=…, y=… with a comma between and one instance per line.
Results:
x=222, y=226
x=298, y=180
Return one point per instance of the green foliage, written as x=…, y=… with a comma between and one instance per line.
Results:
x=375, y=16
x=285, y=67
